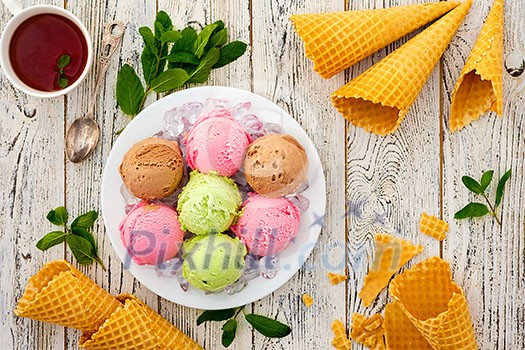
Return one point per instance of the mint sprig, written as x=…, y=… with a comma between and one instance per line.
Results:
x=62, y=63
x=266, y=326
x=171, y=58
x=476, y=209
x=78, y=236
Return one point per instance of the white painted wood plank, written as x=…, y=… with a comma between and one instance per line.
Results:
x=32, y=163
x=282, y=73
x=391, y=180
x=488, y=261
x=83, y=181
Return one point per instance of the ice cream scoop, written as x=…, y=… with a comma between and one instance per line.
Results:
x=212, y=262
x=151, y=233
x=152, y=168
x=267, y=225
x=217, y=142
x=208, y=203
x=275, y=165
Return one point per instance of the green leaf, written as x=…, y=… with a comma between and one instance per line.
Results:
x=183, y=57
x=215, y=315
x=84, y=233
x=472, y=184
x=149, y=64
x=202, y=72
x=228, y=332
x=230, y=53
x=169, y=80
x=162, y=24
x=86, y=220
x=220, y=38
x=202, y=39
x=186, y=42
x=162, y=62
x=171, y=36
x=149, y=39
x=64, y=61
x=501, y=187
x=472, y=210
x=51, y=239
x=129, y=90
x=63, y=82
x=267, y=326
x=486, y=179
x=58, y=216
x=81, y=248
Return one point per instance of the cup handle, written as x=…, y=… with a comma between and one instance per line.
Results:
x=13, y=5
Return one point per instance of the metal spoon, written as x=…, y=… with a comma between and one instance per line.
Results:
x=83, y=134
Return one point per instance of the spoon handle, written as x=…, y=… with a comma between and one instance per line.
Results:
x=113, y=32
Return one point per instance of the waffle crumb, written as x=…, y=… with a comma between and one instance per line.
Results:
x=341, y=341
x=336, y=279
x=368, y=331
x=307, y=300
x=433, y=226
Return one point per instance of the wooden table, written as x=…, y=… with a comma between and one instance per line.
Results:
x=381, y=183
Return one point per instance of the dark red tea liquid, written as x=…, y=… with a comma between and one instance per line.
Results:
x=37, y=45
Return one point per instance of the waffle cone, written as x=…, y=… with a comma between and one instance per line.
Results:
x=335, y=41
x=480, y=85
x=379, y=99
x=400, y=333
x=135, y=326
x=61, y=294
x=435, y=305
x=391, y=253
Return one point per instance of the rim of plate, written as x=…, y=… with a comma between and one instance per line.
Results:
x=149, y=122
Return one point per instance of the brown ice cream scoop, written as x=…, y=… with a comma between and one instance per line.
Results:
x=152, y=168
x=275, y=165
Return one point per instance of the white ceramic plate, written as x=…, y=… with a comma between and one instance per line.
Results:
x=149, y=122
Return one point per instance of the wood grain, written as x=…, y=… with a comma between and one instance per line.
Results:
x=488, y=260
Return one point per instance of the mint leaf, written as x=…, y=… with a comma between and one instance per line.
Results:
x=472, y=184
x=171, y=36
x=169, y=80
x=129, y=91
x=84, y=233
x=267, y=326
x=486, y=179
x=202, y=72
x=230, y=53
x=51, y=239
x=149, y=64
x=63, y=82
x=58, y=216
x=64, y=61
x=472, y=210
x=220, y=38
x=86, y=220
x=215, y=315
x=202, y=39
x=228, y=332
x=185, y=43
x=149, y=39
x=162, y=24
x=501, y=187
x=81, y=248
x=182, y=57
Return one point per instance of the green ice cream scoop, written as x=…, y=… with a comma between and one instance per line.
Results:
x=209, y=203
x=212, y=262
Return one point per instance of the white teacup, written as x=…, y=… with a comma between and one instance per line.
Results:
x=21, y=15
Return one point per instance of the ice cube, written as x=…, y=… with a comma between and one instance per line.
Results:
x=129, y=199
x=169, y=267
x=173, y=123
x=301, y=202
x=214, y=103
x=251, y=123
x=192, y=110
x=240, y=109
x=251, y=268
x=236, y=286
x=273, y=128
x=269, y=266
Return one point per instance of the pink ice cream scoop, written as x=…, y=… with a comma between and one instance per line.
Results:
x=217, y=142
x=151, y=233
x=267, y=225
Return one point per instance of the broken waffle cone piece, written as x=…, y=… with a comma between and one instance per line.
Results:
x=391, y=253
x=341, y=341
x=435, y=305
x=335, y=278
x=136, y=326
x=480, y=85
x=337, y=40
x=379, y=99
x=368, y=331
x=307, y=300
x=433, y=226
x=62, y=295
x=400, y=333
